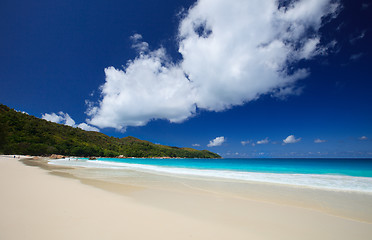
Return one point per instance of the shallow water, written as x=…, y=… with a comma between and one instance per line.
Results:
x=330, y=174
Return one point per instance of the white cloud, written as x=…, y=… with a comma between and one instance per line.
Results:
x=250, y=46
x=138, y=44
x=87, y=127
x=216, y=142
x=150, y=87
x=196, y=145
x=318, y=140
x=291, y=139
x=64, y=118
x=363, y=138
x=52, y=117
x=263, y=141
x=232, y=52
x=22, y=112
x=245, y=142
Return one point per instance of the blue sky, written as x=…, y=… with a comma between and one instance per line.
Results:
x=235, y=78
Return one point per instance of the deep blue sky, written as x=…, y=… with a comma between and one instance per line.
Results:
x=53, y=55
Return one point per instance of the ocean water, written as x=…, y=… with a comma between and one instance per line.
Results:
x=331, y=174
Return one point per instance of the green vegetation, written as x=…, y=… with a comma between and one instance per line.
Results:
x=27, y=135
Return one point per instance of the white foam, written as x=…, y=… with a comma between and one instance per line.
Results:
x=330, y=182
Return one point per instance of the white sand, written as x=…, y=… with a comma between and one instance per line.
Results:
x=37, y=205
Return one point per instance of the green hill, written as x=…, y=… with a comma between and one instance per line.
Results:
x=28, y=135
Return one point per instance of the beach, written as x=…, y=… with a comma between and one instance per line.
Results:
x=46, y=202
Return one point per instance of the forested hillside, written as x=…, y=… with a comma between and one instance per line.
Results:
x=25, y=134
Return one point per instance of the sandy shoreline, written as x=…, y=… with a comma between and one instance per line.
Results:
x=37, y=205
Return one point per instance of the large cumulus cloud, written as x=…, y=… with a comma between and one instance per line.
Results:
x=232, y=52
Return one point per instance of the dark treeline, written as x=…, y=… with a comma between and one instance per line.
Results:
x=27, y=135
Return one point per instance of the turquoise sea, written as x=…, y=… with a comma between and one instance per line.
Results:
x=325, y=173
